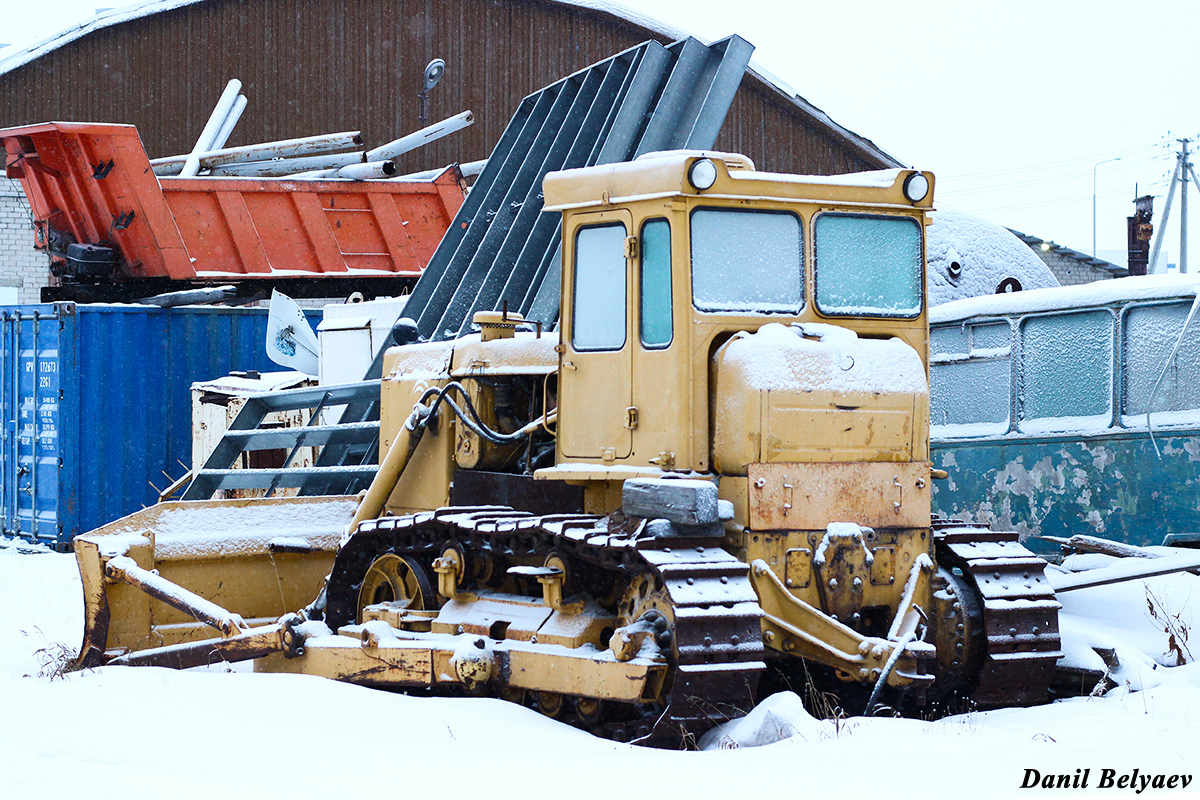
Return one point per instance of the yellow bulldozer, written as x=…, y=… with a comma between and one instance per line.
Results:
x=716, y=470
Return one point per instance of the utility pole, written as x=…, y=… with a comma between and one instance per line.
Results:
x=1183, y=169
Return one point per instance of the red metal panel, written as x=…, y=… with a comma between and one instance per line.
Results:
x=316, y=227
x=360, y=233
x=65, y=171
x=241, y=229
x=189, y=228
x=392, y=230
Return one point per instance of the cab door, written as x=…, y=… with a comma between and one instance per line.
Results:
x=595, y=367
x=661, y=385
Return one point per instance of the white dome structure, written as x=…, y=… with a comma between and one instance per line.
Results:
x=969, y=256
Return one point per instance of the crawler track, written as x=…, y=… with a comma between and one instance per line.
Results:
x=1020, y=613
x=714, y=644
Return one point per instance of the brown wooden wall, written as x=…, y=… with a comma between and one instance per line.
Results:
x=320, y=66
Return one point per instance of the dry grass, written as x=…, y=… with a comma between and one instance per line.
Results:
x=1173, y=626
x=55, y=659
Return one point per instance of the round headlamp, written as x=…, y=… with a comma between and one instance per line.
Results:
x=916, y=187
x=702, y=174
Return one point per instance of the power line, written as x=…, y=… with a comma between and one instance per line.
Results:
x=1074, y=176
x=1052, y=202
x=1050, y=165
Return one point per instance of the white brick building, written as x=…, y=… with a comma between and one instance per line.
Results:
x=1071, y=267
x=23, y=270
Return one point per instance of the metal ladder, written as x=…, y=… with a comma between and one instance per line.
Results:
x=349, y=448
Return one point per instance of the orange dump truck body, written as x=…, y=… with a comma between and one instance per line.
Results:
x=92, y=183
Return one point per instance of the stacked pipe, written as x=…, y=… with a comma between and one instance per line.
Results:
x=312, y=157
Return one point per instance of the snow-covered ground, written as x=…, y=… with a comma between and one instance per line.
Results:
x=157, y=733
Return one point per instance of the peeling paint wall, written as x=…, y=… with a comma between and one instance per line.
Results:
x=1111, y=486
x=1040, y=415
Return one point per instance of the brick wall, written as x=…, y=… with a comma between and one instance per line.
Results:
x=21, y=267
x=1071, y=271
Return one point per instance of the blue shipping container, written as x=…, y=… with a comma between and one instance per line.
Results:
x=96, y=405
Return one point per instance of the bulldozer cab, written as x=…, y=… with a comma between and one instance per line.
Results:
x=668, y=257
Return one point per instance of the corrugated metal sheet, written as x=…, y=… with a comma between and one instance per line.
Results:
x=500, y=247
x=501, y=250
x=96, y=406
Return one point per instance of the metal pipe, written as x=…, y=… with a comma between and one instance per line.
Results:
x=416, y=139
x=254, y=643
x=212, y=127
x=1108, y=547
x=175, y=486
x=391, y=469
x=356, y=172
x=470, y=169
x=285, y=167
x=231, y=121
x=1185, y=167
x=1162, y=225
x=191, y=297
x=124, y=568
x=264, y=151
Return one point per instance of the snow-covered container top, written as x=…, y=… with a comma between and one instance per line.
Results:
x=244, y=384
x=1099, y=293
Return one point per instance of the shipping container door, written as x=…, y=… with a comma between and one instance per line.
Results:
x=10, y=404
x=30, y=382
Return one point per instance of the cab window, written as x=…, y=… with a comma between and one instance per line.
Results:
x=657, y=327
x=867, y=266
x=598, y=305
x=747, y=261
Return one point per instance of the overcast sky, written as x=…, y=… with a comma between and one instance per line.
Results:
x=1013, y=105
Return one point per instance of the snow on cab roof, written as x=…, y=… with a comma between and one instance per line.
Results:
x=742, y=167
x=1099, y=293
x=115, y=16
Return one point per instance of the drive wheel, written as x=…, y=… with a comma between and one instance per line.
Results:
x=393, y=579
x=647, y=593
x=551, y=704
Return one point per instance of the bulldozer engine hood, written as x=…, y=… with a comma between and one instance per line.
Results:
x=525, y=353
x=817, y=393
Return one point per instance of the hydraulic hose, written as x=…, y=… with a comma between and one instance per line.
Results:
x=399, y=454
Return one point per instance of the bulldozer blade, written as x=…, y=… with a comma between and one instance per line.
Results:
x=260, y=558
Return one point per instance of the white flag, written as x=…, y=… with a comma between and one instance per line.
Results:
x=291, y=342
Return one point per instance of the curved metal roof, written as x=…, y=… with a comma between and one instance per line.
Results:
x=116, y=16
